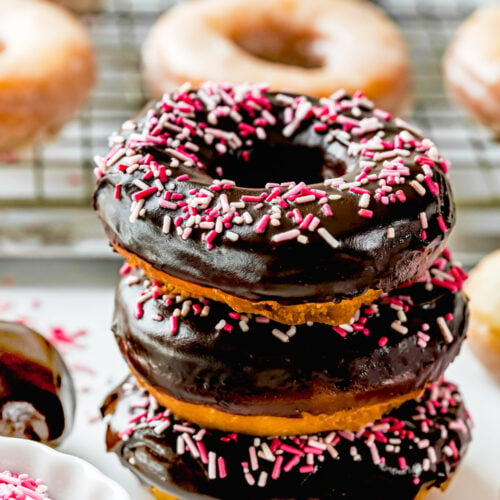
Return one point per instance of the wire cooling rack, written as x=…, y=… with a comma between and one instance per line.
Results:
x=45, y=192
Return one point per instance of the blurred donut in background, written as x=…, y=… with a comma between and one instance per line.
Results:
x=471, y=67
x=483, y=287
x=297, y=46
x=46, y=70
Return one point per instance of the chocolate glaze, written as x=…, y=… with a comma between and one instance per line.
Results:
x=37, y=397
x=209, y=359
x=255, y=266
x=151, y=452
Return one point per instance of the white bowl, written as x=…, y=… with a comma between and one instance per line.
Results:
x=67, y=477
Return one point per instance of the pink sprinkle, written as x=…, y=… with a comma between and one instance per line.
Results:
x=307, y=220
x=340, y=331
x=291, y=463
x=125, y=268
x=433, y=187
x=144, y=193
x=382, y=341
x=174, y=324
x=203, y=452
x=441, y=223
x=253, y=199
x=221, y=464
x=402, y=463
x=327, y=210
x=277, y=467
x=363, y=212
x=262, y=224
x=139, y=311
x=183, y=177
x=306, y=469
x=118, y=191
x=291, y=449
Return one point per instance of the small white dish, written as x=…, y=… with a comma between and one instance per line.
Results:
x=66, y=477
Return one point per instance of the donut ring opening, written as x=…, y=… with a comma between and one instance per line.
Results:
x=281, y=44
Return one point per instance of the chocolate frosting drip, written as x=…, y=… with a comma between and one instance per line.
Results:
x=202, y=352
x=417, y=446
x=219, y=234
x=37, y=397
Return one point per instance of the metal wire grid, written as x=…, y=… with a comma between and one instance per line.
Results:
x=59, y=174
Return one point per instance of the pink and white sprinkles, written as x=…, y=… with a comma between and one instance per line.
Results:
x=431, y=430
x=21, y=487
x=390, y=167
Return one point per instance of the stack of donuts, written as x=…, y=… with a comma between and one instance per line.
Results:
x=288, y=304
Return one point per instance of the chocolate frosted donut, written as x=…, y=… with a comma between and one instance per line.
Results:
x=412, y=449
x=311, y=377
x=37, y=398
x=327, y=200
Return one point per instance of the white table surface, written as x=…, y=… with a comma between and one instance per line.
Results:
x=90, y=308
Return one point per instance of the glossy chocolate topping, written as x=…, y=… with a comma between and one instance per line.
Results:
x=37, y=398
x=201, y=351
x=325, y=199
x=417, y=446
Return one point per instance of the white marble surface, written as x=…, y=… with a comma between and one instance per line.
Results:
x=90, y=308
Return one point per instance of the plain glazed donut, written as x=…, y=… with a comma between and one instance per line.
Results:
x=46, y=70
x=403, y=455
x=248, y=374
x=372, y=210
x=472, y=66
x=484, y=291
x=299, y=46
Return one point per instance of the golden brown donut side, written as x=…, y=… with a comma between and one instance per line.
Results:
x=352, y=419
x=325, y=312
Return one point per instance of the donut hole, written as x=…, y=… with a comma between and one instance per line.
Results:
x=282, y=45
x=277, y=163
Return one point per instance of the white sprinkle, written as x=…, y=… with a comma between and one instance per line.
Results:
x=396, y=325
x=136, y=210
x=247, y=217
x=391, y=233
x=190, y=444
x=364, y=201
x=280, y=335
x=418, y=187
x=212, y=465
x=162, y=427
x=232, y=236
x=262, y=479
x=423, y=220
x=305, y=199
x=180, y=445
x=140, y=184
x=334, y=243
x=285, y=236
x=443, y=326
x=220, y=325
